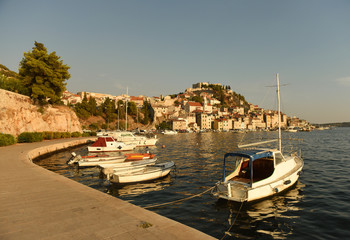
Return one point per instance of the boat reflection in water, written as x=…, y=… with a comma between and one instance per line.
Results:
x=269, y=218
x=135, y=189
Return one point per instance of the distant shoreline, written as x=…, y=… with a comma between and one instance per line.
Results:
x=342, y=124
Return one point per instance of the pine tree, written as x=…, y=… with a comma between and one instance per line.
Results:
x=43, y=74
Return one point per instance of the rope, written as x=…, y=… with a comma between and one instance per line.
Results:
x=180, y=200
x=234, y=221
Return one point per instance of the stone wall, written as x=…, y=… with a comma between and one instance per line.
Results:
x=18, y=114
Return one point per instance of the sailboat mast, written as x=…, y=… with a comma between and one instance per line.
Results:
x=126, y=110
x=279, y=114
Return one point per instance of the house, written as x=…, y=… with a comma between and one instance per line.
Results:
x=137, y=100
x=222, y=124
x=193, y=106
x=70, y=98
x=179, y=124
x=203, y=120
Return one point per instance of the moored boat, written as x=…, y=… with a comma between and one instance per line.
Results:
x=86, y=161
x=145, y=174
x=109, y=144
x=259, y=172
x=130, y=138
x=108, y=168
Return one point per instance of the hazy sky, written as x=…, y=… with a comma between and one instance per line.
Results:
x=156, y=47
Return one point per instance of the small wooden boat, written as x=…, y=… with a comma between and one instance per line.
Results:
x=109, y=144
x=86, y=161
x=107, y=169
x=145, y=174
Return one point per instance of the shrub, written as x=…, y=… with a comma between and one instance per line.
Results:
x=76, y=134
x=89, y=134
x=30, y=137
x=65, y=134
x=57, y=135
x=48, y=135
x=93, y=126
x=7, y=139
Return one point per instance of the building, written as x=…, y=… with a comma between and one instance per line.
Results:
x=193, y=106
x=222, y=124
x=179, y=124
x=203, y=120
x=137, y=100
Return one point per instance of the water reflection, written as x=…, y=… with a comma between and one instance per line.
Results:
x=138, y=188
x=271, y=218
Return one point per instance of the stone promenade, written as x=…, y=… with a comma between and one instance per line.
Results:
x=38, y=204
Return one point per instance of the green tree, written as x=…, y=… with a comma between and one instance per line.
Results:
x=108, y=109
x=121, y=109
x=132, y=109
x=13, y=85
x=43, y=74
x=147, y=112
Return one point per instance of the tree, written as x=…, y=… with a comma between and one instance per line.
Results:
x=132, y=108
x=43, y=74
x=108, y=108
x=147, y=112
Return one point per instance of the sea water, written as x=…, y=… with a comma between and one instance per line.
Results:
x=317, y=207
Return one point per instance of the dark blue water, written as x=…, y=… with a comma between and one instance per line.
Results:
x=318, y=207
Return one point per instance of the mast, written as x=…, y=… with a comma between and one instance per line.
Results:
x=279, y=114
x=126, y=110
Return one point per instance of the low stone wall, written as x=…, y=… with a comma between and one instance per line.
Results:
x=37, y=152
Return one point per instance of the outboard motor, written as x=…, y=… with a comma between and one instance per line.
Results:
x=72, y=158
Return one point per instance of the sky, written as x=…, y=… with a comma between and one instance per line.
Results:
x=161, y=47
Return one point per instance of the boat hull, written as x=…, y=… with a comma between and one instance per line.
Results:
x=109, y=169
x=95, y=163
x=111, y=149
x=146, y=174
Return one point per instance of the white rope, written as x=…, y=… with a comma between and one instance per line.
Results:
x=180, y=200
x=234, y=221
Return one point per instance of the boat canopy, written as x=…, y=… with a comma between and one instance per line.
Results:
x=252, y=154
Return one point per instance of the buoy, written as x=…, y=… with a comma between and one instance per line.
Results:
x=163, y=146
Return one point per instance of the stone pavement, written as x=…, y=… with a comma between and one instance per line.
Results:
x=38, y=204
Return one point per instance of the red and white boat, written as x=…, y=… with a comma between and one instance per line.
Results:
x=109, y=144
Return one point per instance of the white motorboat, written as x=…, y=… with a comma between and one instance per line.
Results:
x=130, y=138
x=258, y=173
x=92, y=158
x=169, y=132
x=108, y=168
x=291, y=129
x=109, y=144
x=145, y=174
x=87, y=161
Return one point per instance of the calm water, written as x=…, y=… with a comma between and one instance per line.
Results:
x=318, y=207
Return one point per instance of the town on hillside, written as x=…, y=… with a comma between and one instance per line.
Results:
x=203, y=107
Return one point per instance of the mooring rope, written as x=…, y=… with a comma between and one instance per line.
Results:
x=234, y=221
x=180, y=200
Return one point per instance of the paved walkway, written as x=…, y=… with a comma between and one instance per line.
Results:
x=38, y=204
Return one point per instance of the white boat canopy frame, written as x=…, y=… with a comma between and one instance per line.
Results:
x=252, y=154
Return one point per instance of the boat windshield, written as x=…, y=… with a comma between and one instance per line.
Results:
x=278, y=158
